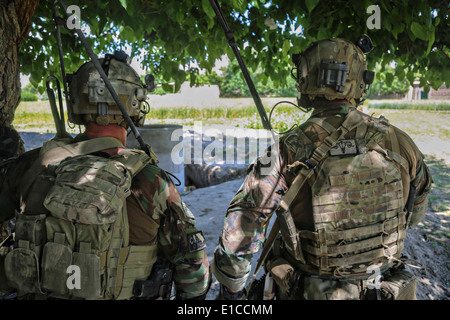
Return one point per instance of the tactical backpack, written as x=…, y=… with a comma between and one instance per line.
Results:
x=357, y=202
x=71, y=236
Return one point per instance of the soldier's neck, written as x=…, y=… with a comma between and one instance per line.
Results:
x=94, y=130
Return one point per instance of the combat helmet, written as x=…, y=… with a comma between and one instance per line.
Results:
x=91, y=101
x=333, y=69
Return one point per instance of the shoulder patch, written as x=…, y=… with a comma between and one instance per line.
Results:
x=344, y=147
x=196, y=241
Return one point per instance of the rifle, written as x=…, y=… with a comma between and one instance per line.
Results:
x=256, y=290
x=158, y=286
x=58, y=116
x=248, y=79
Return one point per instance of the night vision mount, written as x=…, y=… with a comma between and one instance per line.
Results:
x=364, y=43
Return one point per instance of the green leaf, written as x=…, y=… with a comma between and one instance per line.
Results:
x=436, y=23
x=193, y=49
x=124, y=4
x=192, y=78
x=286, y=47
x=238, y=4
x=311, y=4
x=208, y=9
x=167, y=87
x=128, y=33
x=400, y=73
x=419, y=31
x=398, y=28
x=205, y=65
x=410, y=76
x=35, y=78
x=389, y=79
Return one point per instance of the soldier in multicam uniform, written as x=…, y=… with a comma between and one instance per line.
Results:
x=160, y=224
x=344, y=189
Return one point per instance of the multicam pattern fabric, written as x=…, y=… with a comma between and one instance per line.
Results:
x=244, y=229
x=89, y=190
x=156, y=215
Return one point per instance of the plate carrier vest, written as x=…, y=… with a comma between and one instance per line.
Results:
x=357, y=201
x=73, y=223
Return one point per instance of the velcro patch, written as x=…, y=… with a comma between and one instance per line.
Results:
x=196, y=241
x=344, y=147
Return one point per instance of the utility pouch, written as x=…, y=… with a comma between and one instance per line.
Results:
x=22, y=268
x=88, y=189
x=89, y=273
x=32, y=229
x=282, y=272
x=401, y=285
x=315, y=288
x=3, y=280
x=56, y=259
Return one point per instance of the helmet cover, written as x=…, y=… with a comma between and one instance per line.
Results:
x=332, y=69
x=91, y=101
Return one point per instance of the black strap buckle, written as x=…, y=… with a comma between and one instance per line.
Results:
x=310, y=165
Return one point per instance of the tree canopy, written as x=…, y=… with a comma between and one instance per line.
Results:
x=413, y=34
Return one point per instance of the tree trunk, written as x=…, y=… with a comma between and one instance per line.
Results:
x=15, y=17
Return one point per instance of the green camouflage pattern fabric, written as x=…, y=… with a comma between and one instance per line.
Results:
x=154, y=203
x=87, y=89
x=331, y=51
x=355, y=193
x=244, y=231
x=154, y=192
x=89, y=190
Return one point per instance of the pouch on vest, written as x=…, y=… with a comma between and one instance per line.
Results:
x=323, y=289
x=22, y=263
x=90, y=191
x=402, y=285
x=282, y=272
x=22, y=268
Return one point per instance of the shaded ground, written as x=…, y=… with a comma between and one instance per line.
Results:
x=429, y=241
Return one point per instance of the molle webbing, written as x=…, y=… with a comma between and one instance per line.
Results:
x=382, y=229
x=357, y=209
x=351, y=121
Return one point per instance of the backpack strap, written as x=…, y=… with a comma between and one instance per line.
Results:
x=75, y=149
x=352, y=120
x=323, y=124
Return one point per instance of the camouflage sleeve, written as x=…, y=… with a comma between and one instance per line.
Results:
x=244, y=231
x=420, y=176
x=178, y=238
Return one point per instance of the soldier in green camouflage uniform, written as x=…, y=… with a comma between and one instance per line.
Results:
x=156, y=213
x=337, y=246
